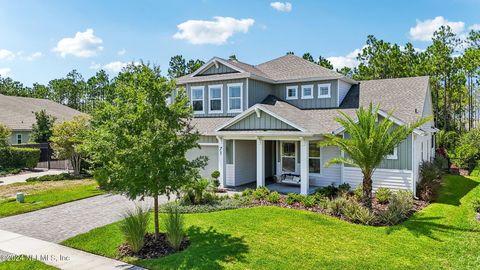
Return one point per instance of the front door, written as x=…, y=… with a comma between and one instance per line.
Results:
x=288, y=157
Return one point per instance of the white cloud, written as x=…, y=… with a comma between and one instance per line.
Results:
x=285, y=7
x=349, y=60
x=115, y=66
x=122, y=52
x=84, y=44
x=424, y=30
x=5, y=72
x=216, y=32
x=6, y=54
x=34, y=56
x=474, y=27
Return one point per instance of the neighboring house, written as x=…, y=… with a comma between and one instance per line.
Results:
x=18, y=113
x=263, y=122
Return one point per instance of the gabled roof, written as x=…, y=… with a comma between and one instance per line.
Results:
x=288, y=68
x=18, y=113
x=403, y=96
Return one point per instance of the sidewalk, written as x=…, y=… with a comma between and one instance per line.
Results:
x=57, y=255
x=24, y=176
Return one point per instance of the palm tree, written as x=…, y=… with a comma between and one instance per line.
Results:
x=367, y=142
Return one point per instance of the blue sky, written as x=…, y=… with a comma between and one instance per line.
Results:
x=42, y=40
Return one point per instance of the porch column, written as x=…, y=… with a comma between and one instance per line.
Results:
x=304, y=174
x=260, y=162
x=221, y=160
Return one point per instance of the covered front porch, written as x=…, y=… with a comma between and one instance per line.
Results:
x=283, y=164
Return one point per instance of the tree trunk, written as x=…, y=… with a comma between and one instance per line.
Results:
x=445, y=105
x=155, y=207
x=367, y=190
x=76, y=160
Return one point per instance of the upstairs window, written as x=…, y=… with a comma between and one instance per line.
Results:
x=197, y=99
x=324, y=90
x=307, y=91
x=292, y=92
x=215, y=98
x=235, y=97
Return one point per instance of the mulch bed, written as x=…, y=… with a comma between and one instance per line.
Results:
x=153, y=248
x=377, y=207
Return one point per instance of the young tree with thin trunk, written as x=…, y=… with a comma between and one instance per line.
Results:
x=42, y=129
x=367, y=141
x=138, y=143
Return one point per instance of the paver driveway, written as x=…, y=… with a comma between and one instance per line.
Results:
x=64, y=221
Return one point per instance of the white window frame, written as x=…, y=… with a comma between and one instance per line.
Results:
x=394, y=155
x=228, y=97
x=192, y=88
x=295, y=87
x=294, y=156
x=329, y=85
x=303, y=93
x=19, y=138
x=319, y=158
x=210, y=87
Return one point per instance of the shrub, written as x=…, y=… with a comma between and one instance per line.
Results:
x=294, y=198
x=215, y=175
x=309, y=201
x=328, y=191
x=55, y=177
x=336, y=206
x=399, y=208
x=429, y=183
x=383, y=195
x=358, y=192
x=174, y=227
x=355, y=212
x=236, y=196
x=226, y=204
x=247, y=192
x=134, y=227
x=441, y=162
x=344, y=188
x=261, y=193
x=5, y=133
x=476, y=205
x=15, y=157
x=273, y=197
x=196, y=191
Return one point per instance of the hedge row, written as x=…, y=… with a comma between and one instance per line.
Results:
x=13, y=157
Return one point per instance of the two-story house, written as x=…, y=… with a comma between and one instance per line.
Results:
x=263, y=122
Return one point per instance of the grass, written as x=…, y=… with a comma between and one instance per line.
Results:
x=44, y=194
x=24, y=264
x=445, y=235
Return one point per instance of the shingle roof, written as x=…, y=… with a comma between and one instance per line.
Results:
x=404, y=96
x=207, y=125
x=291, y=67
x=18, y=113
x=283, y=69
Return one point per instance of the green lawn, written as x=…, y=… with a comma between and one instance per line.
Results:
x=25, y=265
x=444, y=235
x=44, y=194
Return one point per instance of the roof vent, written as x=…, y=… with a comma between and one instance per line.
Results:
x=416, y=111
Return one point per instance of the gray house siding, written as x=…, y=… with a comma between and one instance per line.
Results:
x=315, y=102
x=214, y=70
x=208, y=139
x=224, y=96
x=403, y=160
x=264, y=122
x=258, y=91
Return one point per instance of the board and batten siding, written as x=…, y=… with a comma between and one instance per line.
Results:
x=222, y=69
x=245, y=162
x=224, y=96
x=25, y=136
x=391, y=179
x=264, y=122
x=258, y=91
x=315, y=102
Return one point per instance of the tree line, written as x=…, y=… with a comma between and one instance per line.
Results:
x=451, y=61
